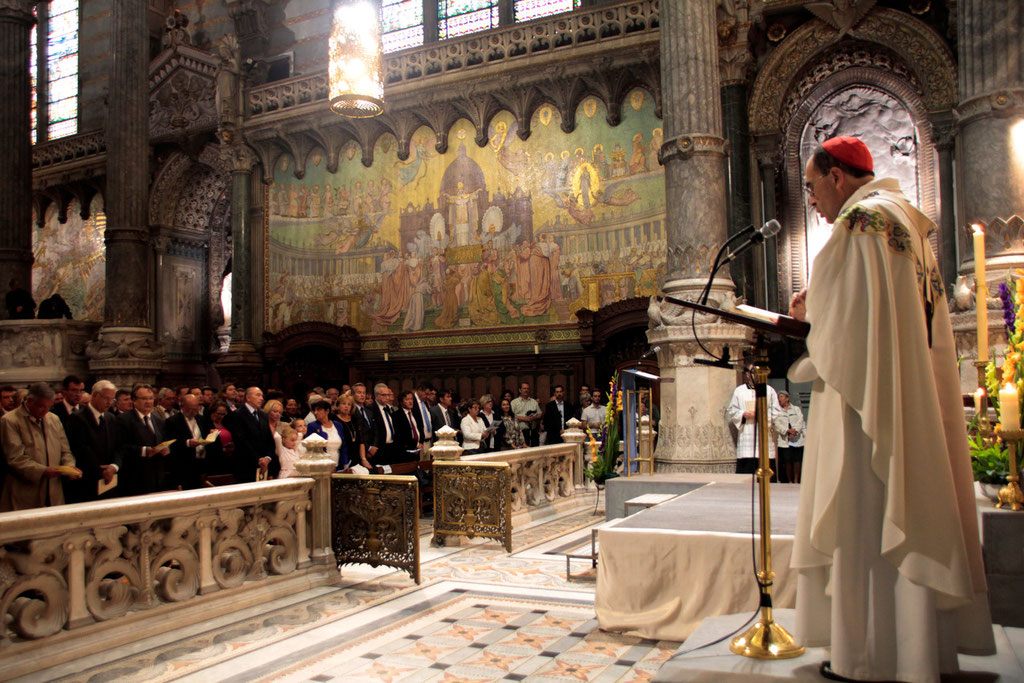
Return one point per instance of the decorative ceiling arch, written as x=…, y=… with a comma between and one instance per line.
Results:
x=908, y=38
x=180, y=177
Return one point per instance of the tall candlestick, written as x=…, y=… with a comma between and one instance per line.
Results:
x=1009, y=408
x=981, y=291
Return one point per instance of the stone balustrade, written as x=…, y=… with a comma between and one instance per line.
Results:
x=75, y=578
x=540, y=476
x=44, y=350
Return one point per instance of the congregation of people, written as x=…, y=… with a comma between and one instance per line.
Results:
x=66, y=445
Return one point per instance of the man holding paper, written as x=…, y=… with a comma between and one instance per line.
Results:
x=189, y=430
x=740, y=412
x=886, y=547
x=142, y=446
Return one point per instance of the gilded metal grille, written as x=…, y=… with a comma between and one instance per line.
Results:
x=473, y=499
x=375, y=521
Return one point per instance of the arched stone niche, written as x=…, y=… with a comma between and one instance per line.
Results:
x=891, y=54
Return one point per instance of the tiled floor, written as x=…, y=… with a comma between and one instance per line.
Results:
x=480, y=615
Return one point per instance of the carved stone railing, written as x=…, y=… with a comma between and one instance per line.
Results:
x=605, y=28
x=540, y=476
x=376, y=521
x=111, y=572
x=44, y=350
x=71, y=148
x=473, y=499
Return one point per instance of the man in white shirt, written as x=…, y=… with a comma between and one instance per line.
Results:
x=594, y=414
x=740, y=413
x=527, y=411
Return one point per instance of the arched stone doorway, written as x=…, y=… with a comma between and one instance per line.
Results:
x=309, y=354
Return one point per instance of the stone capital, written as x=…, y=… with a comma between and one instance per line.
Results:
x=1002, y=103
x=237, y=157
x=692, y=144
x=18, y=10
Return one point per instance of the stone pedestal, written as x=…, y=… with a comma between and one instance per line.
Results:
x=43, y=350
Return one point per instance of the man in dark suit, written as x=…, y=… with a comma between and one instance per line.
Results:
x=423, y=410
x=188, y=457
x=254, y=442
x=143, y=467
x=92, y=434
x=385, y=443
x=367, y=424
x=442, y=414
x=556, y=412
x=72, y=388
x=408, y=430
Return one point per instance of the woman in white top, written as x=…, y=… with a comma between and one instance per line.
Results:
x=472, y=430
x=790, y=427
x=273, y=410
x=332, y=431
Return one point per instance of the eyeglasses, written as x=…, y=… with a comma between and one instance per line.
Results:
x=809, y=185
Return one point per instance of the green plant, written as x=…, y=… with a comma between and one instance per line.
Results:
x=989, y=458
x=603, y=465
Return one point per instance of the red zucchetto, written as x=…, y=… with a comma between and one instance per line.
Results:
x=850, y=151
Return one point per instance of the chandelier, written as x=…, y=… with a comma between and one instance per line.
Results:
x=354, y=75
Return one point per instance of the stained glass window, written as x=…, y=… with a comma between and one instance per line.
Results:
x=62, y=68
x=527, y=10
x=459, y=17
x=401, y=23
x=60, y=72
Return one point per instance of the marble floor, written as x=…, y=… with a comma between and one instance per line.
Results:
x=480, y=614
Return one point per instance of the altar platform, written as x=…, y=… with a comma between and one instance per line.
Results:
x=665, y=569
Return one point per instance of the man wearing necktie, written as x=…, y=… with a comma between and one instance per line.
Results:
x=408, y=429
x=387, y=448
x=139, y=433
x=254, y=442
x=71, y=388
x=91, y=433
x=420, y=400
x=367, y=423
x=188, y=456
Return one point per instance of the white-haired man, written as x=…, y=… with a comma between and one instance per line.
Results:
x=91, y=434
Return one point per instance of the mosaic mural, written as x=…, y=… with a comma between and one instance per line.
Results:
x=70, y=259
x=513, y=233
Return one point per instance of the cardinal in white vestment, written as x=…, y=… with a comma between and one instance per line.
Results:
x=886, y=547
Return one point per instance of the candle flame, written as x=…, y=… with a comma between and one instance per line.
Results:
x=979, y=392
x=978, y=230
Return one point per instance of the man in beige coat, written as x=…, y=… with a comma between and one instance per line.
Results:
x=34, y=445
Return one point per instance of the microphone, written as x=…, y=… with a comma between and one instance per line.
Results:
x=769, y=229
x=653, y=351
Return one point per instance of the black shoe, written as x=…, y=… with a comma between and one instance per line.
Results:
x=827, y=672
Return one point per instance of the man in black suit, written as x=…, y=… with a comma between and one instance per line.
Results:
x=72, y=388
x=556, y=412
x=122, y=402
x=92, y=434
x=254, y=442
x=385, y=439
x=408, y=430
x=143, y=467
x=442, y=413
x=188, y=458
x=367, y=423
x=423, y=411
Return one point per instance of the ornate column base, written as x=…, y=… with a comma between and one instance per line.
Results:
x=125, y=356
x=242, y=364
x=694, y=435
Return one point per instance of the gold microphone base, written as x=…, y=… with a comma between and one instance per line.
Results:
x=766, y=640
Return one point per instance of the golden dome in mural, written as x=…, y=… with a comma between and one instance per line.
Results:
x=463, y=170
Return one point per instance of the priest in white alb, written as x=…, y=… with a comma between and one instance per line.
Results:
x=887, y=549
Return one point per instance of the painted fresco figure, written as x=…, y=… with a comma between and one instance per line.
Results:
x=396, y=289
x=462, y=214
x=450, y=308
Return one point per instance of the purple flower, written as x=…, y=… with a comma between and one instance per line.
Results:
x=1006, y=299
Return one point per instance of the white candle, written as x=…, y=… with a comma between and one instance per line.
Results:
x=979, y=394
x=1009, y=408
x=981, y=292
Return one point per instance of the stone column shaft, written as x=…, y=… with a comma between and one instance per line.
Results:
x=694, y=433
x=126, y=351
x=16, y=22
x=990, y=159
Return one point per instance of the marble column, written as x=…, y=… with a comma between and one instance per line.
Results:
x=16, y=22
x=694, y=434
x=990, y=159
x=241, y=363
x=126, y=351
